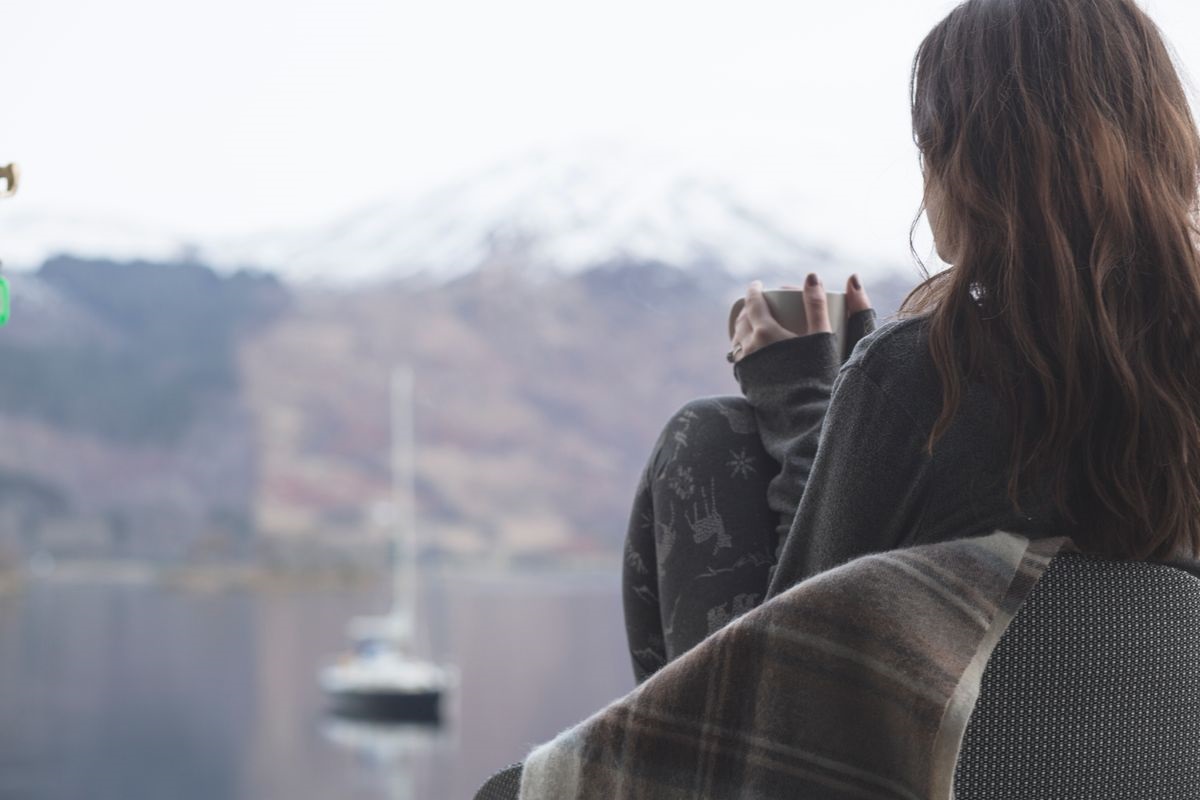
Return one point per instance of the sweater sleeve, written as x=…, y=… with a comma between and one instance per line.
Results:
x=789, y=383
x=854, y=474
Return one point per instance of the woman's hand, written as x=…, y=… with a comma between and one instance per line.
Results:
x=756, y=328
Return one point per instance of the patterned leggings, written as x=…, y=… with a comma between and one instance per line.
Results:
x=701, y=537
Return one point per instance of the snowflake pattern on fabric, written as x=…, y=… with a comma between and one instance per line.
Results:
x=742, y=464
x=709, y=524
x=708, y=442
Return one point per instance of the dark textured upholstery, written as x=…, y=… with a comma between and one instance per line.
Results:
x=1093, y=692
x=504, y=785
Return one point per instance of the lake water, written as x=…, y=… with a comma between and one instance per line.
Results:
x=143, y=691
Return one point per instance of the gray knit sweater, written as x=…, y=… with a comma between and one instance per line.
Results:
x=850, y=438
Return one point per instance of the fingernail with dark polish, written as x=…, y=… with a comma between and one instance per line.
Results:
x=812, y=280
x=854, y=280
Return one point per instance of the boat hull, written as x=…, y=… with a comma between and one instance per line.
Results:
x=387, y=705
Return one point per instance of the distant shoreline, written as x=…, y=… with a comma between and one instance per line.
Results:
x=214, y=577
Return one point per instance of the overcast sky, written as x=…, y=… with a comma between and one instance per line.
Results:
x=233, y=116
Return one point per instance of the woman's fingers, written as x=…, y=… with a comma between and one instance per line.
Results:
x=764, y=328
x=742, y=329
x=756, y=306
x=756, y=327
x=856, y=296
x=816, y=308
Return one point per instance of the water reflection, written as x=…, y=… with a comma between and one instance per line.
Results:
x=139, y=691
x=390, y=752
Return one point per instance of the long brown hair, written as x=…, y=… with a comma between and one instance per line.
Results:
x=1058, y=138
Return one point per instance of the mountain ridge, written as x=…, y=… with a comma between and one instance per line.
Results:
x=165, y=412
x=549, y=212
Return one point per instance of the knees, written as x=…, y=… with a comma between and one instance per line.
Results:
x=716, y=413
x=706, y=427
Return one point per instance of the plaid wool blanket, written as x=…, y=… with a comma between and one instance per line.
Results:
x=857, y=682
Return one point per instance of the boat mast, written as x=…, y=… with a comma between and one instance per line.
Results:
x=404, y=532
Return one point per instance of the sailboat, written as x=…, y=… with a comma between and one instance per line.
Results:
x=381, y=678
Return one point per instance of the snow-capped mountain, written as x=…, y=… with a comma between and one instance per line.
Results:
x=559, y=210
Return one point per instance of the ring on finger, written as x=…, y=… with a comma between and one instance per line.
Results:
x=732, y=355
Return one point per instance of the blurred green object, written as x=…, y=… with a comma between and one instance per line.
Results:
x=11, y=176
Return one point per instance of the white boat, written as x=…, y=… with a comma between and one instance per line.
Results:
x=381, y=678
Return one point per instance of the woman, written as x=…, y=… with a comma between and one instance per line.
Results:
x=1045, y=384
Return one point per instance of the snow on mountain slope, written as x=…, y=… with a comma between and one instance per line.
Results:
x=558, y=210
x=561, y=210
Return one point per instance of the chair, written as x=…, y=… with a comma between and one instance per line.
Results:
x=504, y=785
x=1092, y=693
